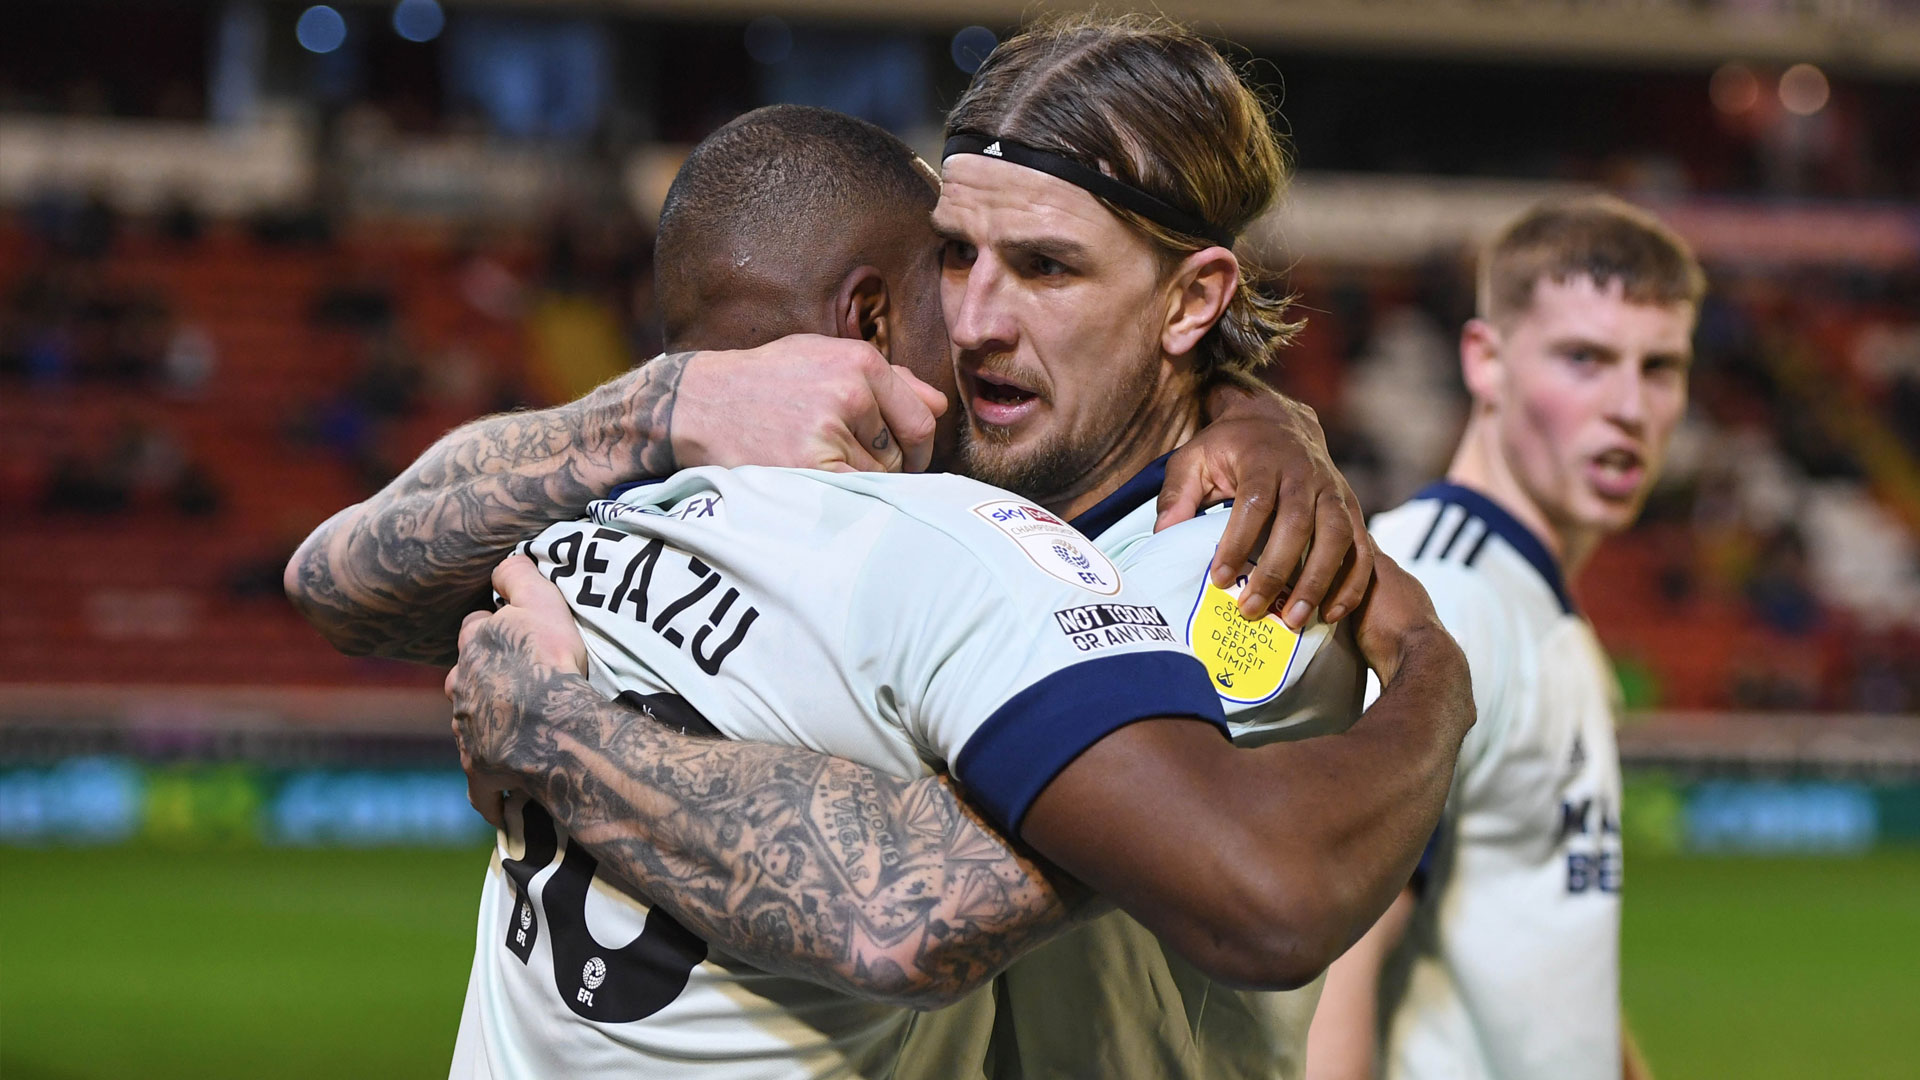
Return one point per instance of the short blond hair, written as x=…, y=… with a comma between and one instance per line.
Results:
x=1595, y=236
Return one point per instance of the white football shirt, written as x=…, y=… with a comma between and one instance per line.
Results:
x=1511, y=967
x=905, y=622
x=1108, y=999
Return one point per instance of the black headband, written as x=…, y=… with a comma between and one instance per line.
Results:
x=1091, y=180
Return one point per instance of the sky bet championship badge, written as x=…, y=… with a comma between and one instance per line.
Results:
x=1053, y=545
x=1248, y=661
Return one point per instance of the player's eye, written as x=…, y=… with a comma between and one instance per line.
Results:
x=958, y=254
x=1045, y=267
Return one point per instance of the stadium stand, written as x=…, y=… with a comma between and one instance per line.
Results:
x=286, y=416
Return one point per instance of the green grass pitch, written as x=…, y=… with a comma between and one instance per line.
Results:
x=137, y=962
x=1762, y=968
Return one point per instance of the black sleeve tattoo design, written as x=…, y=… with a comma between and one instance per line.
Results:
x=394, y=575
x=798, y=863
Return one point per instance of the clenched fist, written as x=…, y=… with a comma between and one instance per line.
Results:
x=805, y=401
x=509, y=661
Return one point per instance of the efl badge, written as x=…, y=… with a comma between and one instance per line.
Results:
x=1248, y=661
x=1053, y=545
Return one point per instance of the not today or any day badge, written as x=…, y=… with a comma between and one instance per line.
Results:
x=1248, y=660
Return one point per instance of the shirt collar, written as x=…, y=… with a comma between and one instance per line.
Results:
x=1106, y=513
x=1508, y=528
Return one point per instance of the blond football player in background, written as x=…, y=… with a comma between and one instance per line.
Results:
x=1502, y=958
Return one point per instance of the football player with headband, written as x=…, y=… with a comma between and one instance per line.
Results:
x=1085, y=332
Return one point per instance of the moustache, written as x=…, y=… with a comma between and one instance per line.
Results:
x=1000, y=367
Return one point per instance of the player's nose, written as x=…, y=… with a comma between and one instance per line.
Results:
x=1626, y=400
x=980, y=320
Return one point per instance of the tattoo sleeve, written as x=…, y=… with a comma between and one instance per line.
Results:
x=394, y=575
x=798, y=863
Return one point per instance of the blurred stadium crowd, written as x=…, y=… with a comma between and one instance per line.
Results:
x=197, y=366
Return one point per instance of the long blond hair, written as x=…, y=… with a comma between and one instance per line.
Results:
x=1154, y=105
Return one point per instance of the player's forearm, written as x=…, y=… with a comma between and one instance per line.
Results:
x=1361, y=805
x=1340, y=1042
x=393, y=576
x=796, y=862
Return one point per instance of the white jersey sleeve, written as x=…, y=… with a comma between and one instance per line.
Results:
x=1015, y=645
x=1272, y=682
x=903, y=622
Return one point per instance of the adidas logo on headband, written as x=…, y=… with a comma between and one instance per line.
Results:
x=1092, y=181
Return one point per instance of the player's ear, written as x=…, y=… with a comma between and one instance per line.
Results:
x=1202, y=286
x=1481, y=367
x=864, y=309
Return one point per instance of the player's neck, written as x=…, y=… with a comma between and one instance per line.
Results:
x=1164, y=423
x=1478, y=464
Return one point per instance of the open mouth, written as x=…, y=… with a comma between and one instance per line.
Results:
x=999, y=401
x=998, y=392
x=1617, y=473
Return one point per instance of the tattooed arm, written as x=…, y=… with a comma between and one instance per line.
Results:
x=393, y=575
x=799, y=863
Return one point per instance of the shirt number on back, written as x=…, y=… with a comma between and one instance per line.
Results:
x=613, y=986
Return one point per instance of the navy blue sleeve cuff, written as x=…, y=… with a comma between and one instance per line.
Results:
x=1020, y=749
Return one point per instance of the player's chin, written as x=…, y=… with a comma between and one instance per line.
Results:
x=991, y=462
x=1006, y=464
x=1612, y=514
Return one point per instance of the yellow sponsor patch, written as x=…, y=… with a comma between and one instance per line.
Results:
x=1247, y=660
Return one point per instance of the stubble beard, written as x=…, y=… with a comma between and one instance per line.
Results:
x=1060, y=463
